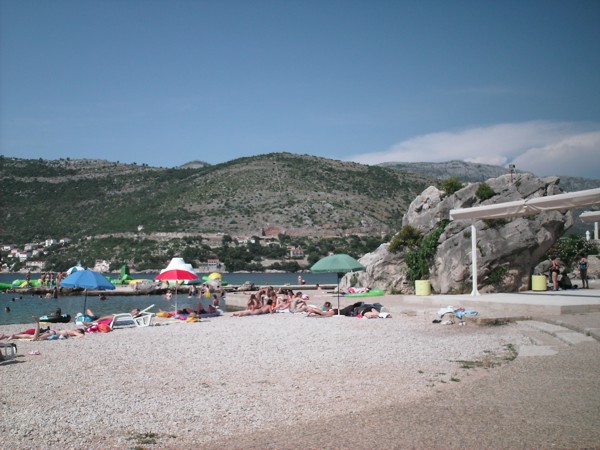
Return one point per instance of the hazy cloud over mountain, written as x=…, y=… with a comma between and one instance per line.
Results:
x=541, y=147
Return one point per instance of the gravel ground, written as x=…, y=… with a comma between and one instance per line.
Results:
x=182, y=385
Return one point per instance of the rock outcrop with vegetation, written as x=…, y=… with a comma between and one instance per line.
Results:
x=507, y=249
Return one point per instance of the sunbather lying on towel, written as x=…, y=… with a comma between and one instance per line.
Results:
x=356, y=309
x=325, y=310
x=90, y=318
x=353, y=290
x=38, y=335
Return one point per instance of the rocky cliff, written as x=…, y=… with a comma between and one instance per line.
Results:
x=507, y=249
x=462, y=170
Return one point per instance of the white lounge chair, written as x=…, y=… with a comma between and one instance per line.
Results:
x=8, y=350
x=143, y=319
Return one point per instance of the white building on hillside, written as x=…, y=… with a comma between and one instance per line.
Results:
x=35, y=265
x=101, y=266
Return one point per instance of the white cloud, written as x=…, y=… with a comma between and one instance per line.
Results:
x=541, y=147
x=577, y=155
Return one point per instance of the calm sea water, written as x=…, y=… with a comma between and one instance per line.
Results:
x=23, y=306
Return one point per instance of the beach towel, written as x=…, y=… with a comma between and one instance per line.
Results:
x=104, y=328
x=468, y=312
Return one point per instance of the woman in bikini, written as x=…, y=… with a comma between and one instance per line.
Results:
x=554, y=272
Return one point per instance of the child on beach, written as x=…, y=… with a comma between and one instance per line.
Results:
x=583, y=266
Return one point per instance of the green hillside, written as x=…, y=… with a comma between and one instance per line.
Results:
x=274, y=193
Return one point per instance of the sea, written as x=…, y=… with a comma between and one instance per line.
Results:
x=19, y=308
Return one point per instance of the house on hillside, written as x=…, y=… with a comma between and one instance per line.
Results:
x=295, y=252
x=35, y=265
x=23, y=256
x=212, y=265
x=101, y=266
x=37, y=252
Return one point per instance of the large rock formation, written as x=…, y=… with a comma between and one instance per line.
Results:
x=507, y=249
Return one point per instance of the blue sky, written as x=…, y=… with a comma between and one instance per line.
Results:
x=167, y=82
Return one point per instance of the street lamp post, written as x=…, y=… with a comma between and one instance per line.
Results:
x=511, y=167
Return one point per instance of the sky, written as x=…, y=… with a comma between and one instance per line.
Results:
x=165, y=82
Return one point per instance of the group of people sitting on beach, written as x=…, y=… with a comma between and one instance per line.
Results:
x=265, y=301
x=191, y=314
x=194, y=315
x=270, y=301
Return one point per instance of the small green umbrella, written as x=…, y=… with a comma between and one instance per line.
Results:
x=340, y=264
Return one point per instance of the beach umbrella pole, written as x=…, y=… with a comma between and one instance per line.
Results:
x=339, y=277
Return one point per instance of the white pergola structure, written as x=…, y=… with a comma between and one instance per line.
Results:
x=519, y=208
x=591, y=216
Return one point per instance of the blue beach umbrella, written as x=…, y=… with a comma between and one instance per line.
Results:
x=87, y=279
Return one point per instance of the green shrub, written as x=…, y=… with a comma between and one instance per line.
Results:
x=408, y=236
x=568, y=248
x=496, y=275
x=420, y=257
x=451, y=185
x=484, y=192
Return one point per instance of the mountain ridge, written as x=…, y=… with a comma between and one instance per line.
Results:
x=477, y=172
x=266, y=194
x=258, y=195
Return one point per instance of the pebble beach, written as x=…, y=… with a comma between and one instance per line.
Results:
x=192, y=385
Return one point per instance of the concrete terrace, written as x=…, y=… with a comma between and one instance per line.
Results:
x=528, y=303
